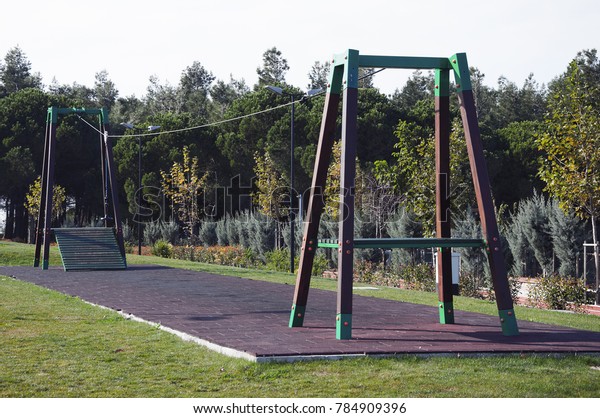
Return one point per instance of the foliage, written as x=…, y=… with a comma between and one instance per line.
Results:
x=558, y=292
x=33, y=199
x=414, y=169
x=567, y=232
x=272, y=192
x=418, y=276
x=183, y=185
x=273, y=68
x=234, y=256
x=279, y=260
x=572, y=144
x=15, y=73
x=160, y=230
x=162, y=248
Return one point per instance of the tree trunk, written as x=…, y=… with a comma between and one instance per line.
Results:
x=10, y=220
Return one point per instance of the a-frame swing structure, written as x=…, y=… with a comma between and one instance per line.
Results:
x=81, y=248
x=343, y=84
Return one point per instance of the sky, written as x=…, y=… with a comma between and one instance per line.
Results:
x=71, y=41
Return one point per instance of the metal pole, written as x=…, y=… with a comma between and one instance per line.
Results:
x=292, y=214
x=139, y=225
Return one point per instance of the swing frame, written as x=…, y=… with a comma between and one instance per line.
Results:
x=43, y=232
x=343, y=84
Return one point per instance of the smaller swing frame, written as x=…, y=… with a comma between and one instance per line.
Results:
x=43, y=233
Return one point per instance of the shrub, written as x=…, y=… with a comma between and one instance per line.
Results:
x=556, y=292
x=279, y=260
x=169, y=231
x=418, y=276
x=208, y=233
x=152, y=232
x=162, y=248
x=470, y=285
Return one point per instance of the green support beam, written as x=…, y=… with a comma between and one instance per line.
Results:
x=410, y=63
x=408, y=243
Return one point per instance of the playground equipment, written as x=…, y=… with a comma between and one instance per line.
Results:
x=81, y=248
x=343, y=78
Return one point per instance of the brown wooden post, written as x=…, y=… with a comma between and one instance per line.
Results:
x=316, y=198
x=111, y=174
x=484, y=196
x=39, y=226
x=442, y=183
x=49, y=186
x=347, y=190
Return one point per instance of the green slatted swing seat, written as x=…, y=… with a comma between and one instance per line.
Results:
x=89, y=249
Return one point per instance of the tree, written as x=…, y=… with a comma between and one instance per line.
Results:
x=194, y=88
x=33, y=198
x=15, y=73
x=161, y=98
x=183, y=184
x=414, y=170
x=105, y=91
x=319, y=75
x=223, y=94
x=272, y=190
x=22, y=121
x=571, y=142
x=273, y=69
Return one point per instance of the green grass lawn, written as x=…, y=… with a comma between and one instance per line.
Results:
x=54, y=345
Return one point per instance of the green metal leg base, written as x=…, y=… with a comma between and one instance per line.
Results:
x=45, y=265
x=446, y=312
x=343, y=326
x=297, y=316
x=508, y=321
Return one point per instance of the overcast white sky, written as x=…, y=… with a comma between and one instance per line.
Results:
x=132, y=40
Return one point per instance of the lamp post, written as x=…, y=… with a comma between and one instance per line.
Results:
x=279, y=91
x=151, y=128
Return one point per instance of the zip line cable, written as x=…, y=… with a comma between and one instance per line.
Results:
x=207, y=125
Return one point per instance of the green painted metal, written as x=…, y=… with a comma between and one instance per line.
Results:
x=446, y=312
x=416, y=63
x=54, y=112
x=343, y=326
x=89, y=249
x=462, y=76
x=297, y=316
x=508, y=322
x=408, y=243
x=442, y=82
x=351, y=69
x=335, y=76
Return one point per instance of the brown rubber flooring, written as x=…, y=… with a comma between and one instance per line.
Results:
x=249, y=318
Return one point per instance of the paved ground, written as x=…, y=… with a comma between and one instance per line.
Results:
x=249, y=318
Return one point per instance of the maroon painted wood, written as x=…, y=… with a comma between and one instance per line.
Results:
x=485, y=203
x=315, y=202
x=442, y=182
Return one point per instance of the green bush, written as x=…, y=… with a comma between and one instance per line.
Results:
x=162, y=248
x=224, y=255
x=418, y=276
x=556, y=292
x=279, y=260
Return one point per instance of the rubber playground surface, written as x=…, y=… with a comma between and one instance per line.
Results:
x=249, y=318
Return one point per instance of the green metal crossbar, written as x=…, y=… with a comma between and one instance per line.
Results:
x=407, y=243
